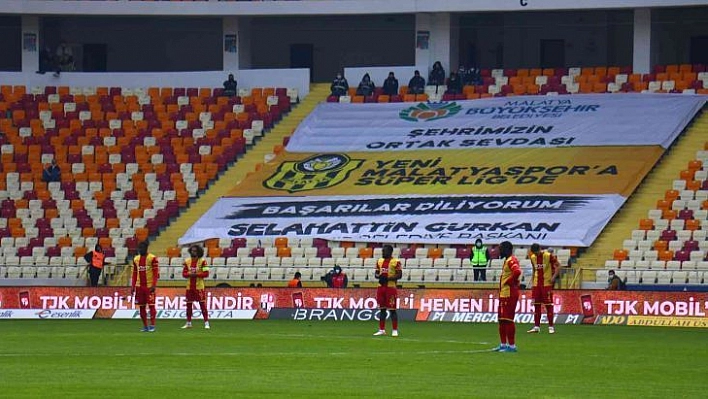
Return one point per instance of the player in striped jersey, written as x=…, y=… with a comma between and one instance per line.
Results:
x=195, y=269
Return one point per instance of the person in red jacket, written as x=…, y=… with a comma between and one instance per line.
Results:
x=195, y=269
x=339, y=278
x=508, y=297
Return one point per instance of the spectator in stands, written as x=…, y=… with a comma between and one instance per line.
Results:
x=417, y=84
x=437, y=75
x=366, y=86
x=64, y=58
x=295, y=282
x=390, y=86
x=614, y=281
x=51, y=172
x=480, y=260
x=454, y=85
x=230, y=86
x=96, y=261
x=340, y=86
x=465, y=75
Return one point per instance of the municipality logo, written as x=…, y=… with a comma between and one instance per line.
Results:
x=317, y=172
x=429, y=112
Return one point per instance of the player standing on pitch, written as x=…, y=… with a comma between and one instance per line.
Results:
x=195, y=270
x=508, y=297
x=146, y=271
x=388, y=271
x=545, y=271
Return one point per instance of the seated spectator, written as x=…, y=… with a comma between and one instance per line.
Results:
x=417, y=84
x=454, y=85
x=230, y=86
x=437, y=75
x=52, y=172
x=465, y=75
x=366, y=86
x=475, y=77
x=614, y=283
x=390, y=86
x=340, y=86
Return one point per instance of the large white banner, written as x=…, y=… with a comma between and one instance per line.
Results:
x=503, y=122
x=560, y=220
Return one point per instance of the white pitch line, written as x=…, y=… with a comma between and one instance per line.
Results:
x=260, y=354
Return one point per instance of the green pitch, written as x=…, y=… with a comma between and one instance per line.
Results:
x=286, y=359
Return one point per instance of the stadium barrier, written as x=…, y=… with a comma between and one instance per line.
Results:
x=676, y=309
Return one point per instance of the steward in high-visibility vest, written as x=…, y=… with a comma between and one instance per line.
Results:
x=479, y=259
x=96, y=260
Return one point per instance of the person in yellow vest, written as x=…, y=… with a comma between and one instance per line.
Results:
x=480, y=260
x=388, y=272
x=195, y=269
x=295, y=282
x=146, y=272
x=96, y=261
x=545, y=271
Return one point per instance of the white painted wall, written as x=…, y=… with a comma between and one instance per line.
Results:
x=289, y=78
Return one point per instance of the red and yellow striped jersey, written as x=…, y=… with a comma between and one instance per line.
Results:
x=544, y=266
x=509, y=279
x=146, y=271
x=198, y=267
x=388, y=267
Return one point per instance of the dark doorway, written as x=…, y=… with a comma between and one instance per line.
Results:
x=471, y=59
x=301, y=56
x=552, y=53
x=95, y=57
x=699, y=50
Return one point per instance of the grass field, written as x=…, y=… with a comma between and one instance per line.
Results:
x=269, y=359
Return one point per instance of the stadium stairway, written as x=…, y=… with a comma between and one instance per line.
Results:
x=644, y=198
x=249, y=162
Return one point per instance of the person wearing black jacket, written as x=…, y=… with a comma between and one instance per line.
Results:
x=339, y=86
x=437, y=75
x=417, y=84
x=390, y=86
x=366, y=86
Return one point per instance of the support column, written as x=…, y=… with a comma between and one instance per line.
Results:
x=30, y=43
x=642, y=54
x=433, y=42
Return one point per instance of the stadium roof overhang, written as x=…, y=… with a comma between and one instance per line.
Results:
x=316, y=7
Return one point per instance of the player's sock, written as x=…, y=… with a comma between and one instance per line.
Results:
x=189, y=312
x=394, y=319
x=205, y=311
x=537, y=315
x=511, y=333
x=502, y=332
x=143, y=316
x=549, y=312
x=382, y=319
x=153, y=315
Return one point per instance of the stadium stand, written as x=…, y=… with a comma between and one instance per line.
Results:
x=131, y=161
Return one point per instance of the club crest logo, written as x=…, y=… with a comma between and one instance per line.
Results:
x=314, y=173
x=429, y=112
